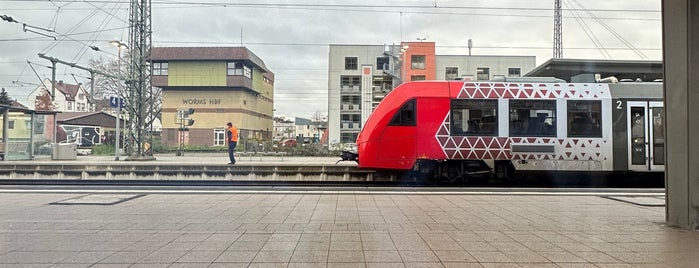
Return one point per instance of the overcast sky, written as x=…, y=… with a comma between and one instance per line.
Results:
x=292, y=37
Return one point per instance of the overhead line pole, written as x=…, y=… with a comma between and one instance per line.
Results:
x=53, y=81
x=557, y=30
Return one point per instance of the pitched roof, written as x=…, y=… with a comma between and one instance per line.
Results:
x=206, y=53
x=87, y=119
x=16, y=104
x=69, y=90
x=65, y=116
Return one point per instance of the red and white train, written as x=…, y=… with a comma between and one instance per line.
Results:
x=454, y=128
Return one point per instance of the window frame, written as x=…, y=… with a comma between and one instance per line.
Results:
x=594, y=130
x=510, y=69
x=349, y=65
x=481, y=71
x=219, y=141
x=238, y=68
x=454, y=71
x=418, y=62
x=475, y=126
x=529, y=127
x=418, y=78
x=160, y=68
x=379, y=65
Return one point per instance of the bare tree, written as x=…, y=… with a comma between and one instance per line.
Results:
x=319, y=118
x=106, y=87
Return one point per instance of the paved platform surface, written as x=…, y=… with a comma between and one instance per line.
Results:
x=335, y=229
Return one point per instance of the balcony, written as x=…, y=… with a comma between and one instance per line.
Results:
x=350, y=126
x=349, y=107
x=349, y=89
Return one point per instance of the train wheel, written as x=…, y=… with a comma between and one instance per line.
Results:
x=503, y=170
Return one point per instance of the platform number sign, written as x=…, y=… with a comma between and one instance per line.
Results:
x=116, y=101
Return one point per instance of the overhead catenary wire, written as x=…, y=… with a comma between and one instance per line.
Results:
x=613, y=32
x=590, y=34
x=383, y=6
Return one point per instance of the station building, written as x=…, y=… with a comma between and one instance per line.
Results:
x=221, y=84
x=359, y=76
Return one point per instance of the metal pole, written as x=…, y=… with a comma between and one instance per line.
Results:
x=53, y=98
x=116, y=138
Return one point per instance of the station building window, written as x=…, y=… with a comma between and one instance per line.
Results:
x=219, y=137
x=482, y=73
x=584, y=118
x=160, y=68
x=238, y=68
x=451, y=73
x=533, y=118
x=474, y=117
x=514, y=72
x=405, y=115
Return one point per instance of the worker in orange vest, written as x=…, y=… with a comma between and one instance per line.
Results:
x=232, y=140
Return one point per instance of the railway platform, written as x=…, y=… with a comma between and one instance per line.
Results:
x=43, y=226
x=191, y=166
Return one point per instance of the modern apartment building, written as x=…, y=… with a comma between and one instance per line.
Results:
x=221, y=84
x=359, y=76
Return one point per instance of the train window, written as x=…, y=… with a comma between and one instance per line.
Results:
x=405, y=115
x=585, y=118
x=533, y=118
x=474, y=117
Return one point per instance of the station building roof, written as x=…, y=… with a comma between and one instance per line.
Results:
x=645, y=70
x=206, y=53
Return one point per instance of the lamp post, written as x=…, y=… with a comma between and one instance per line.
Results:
x=119, y=46
x=404, y=65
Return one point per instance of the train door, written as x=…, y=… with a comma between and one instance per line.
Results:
x=646, y=139
x=397, y=149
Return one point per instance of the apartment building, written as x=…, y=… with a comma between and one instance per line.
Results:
x=359, y=76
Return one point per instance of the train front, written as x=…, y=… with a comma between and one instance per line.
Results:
x=389, y=138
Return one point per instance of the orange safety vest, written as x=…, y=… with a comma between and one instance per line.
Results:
x=234, y=134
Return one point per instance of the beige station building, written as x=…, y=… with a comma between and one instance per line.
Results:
x=221, y=84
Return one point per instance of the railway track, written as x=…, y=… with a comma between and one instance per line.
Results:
x=290, y=175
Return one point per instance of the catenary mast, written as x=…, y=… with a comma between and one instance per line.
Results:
x=139, y=95
x=557, y=30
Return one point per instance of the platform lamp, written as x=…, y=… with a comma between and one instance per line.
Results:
x=119, y=46
x=404, y=66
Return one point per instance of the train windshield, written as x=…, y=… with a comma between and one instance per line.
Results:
x=405, y=115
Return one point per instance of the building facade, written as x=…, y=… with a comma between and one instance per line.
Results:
x=67, y=97
x=359, y=76
x=220, y=84
x=299, y=129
